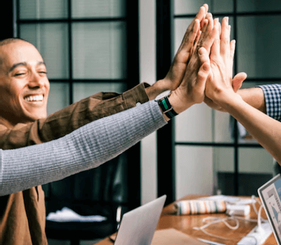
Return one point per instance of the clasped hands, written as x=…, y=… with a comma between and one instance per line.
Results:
x=203, y=65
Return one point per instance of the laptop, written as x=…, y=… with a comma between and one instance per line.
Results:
x=138, y=226
x=270, y=195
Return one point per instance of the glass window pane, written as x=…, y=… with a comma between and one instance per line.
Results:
x=83, y=90
x=255, y=160
x=98, y=8
x=255, y=169
x=192, y=6
x=257, y=54
x=58, y=97
x=99, y=50
x=188, y=7
x=221, y=6
x=248, y=84
x=41, y=9
x=222, y=127
x=51, y=42
x=223, y=158
x=258, y=5
x=192, y=162
x=194, y=125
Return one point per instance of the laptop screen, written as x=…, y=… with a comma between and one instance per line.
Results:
x=270, y=194
x=138, y=225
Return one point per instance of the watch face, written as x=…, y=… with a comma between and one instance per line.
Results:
x=166, y=107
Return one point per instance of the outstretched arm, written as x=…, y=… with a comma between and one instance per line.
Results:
x=98, y=141
x=264, y=129
x=85, y=148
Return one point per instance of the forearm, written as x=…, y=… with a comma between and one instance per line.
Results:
x=266, y=130
x=70, y=118
x=266, y=98
x=254, y=97
x=85, y=148
x=157, y=88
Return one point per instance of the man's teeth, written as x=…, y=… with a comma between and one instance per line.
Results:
x=34, y=98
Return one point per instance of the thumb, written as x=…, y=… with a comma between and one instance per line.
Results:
x=205, y=67
x=238, y=80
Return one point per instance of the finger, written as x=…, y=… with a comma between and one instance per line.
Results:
x=197, y=40
x=225, y=36
x=231, y=55
x=203, y=70
x=202, y=12
x=202, y=34
x=238, y=80
x=206, y=6
x=215, y=50
x=209, y=17
x=190, y=37
x=208, y=37
x=232, y=48
x=219, y=30
x=205, y=26
x=203, y=55
x=193, y=28
x=202, y=77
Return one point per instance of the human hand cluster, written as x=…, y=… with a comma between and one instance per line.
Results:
x=177, y=70
x=220, y=83
x=192, y=87
x=208, y=73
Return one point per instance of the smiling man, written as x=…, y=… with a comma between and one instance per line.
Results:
x=24, y=89
x=24, y=84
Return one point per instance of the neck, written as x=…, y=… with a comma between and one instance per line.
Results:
x=11, y=122
x=6, y=123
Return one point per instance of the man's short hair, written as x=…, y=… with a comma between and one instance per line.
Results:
x=10, y=40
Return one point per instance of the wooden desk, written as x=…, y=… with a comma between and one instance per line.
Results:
x=185, y=224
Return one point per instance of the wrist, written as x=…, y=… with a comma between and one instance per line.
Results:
x=254, y=97
x=155, y=89
x=166, y=107
x=227, y=101
x=178, y=105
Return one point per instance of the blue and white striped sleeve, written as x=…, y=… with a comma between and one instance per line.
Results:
x=272, y=95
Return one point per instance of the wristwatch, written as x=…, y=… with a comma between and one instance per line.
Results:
x=166, y=107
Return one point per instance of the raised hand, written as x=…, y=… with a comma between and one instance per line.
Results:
x=177, y=70
x=220, y=78
x=191, y=90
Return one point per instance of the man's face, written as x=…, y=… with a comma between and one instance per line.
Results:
x=24, y=86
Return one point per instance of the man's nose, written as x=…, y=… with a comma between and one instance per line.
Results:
x=35, y=80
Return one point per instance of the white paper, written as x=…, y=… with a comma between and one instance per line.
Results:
x=68, y=215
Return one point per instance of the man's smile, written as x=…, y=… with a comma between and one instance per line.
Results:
x=34, y=98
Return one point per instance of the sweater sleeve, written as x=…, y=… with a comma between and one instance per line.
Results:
x=85, y=148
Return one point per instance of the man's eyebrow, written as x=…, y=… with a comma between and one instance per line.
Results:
x=16, y=65
x=41, y=63
x=24, y=64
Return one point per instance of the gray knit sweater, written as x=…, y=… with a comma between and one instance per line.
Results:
x=85, y=148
